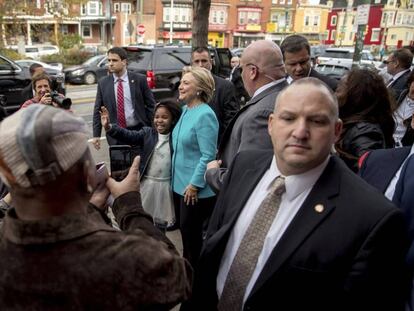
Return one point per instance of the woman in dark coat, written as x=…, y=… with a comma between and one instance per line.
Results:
x=365, y=110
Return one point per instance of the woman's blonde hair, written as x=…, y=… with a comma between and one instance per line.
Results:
x=204, y=80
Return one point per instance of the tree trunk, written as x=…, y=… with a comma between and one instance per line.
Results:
x=201, y=11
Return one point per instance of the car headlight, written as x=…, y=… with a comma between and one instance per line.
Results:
x=78, y=72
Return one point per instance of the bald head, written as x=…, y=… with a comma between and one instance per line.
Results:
x=267, y=56
x=262, y=63
x=314, y=83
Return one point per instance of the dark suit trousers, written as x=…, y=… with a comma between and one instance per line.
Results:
x=193, y=223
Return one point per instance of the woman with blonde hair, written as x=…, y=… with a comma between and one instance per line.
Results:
x=194, y=144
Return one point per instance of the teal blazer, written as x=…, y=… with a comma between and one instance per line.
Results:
x=194, y=141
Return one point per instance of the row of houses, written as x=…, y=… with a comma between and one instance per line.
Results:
x=232, y=23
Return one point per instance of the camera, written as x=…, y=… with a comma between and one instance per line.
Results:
x=60, y=100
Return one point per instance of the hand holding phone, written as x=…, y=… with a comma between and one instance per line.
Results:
x=120, y=156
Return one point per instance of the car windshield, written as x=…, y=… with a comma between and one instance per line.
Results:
x=93, y=60
x=337, y=54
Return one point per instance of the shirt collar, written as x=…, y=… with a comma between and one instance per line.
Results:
x=266, y=86
x=124, y=77
x=296, y=184
x=399, y=74
x=289, y=79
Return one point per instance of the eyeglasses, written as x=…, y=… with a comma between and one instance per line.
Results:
x=386, y=62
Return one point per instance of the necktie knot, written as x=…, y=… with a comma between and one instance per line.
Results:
x=278, y=186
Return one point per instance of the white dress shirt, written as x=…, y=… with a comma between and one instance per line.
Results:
x=404, y=111
x=389, y=193
x=128, y=107
x=266, y=86
x=297, y=190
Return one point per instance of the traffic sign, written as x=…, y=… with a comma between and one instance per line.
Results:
x=141, y=29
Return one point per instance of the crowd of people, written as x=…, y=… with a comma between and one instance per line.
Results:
x=280, y=180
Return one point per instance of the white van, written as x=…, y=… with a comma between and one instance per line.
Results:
x=344, y=56
x=37, y=51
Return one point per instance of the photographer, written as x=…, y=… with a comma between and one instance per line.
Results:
x=56, y=83
x=44, y=95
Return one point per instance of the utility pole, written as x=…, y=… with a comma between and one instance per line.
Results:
x=362, y=21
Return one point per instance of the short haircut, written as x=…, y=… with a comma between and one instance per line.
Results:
x=294, y=43
x=201, y=49
x=318, y=83
x=33, y=68
x=172, y=106
x=404, y=57
x=38, y=77
x=118, y=51
x=204, y=80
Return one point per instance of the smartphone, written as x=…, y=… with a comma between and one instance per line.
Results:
x=121, y=160
x=101, y=175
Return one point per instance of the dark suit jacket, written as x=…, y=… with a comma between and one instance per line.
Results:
x=348, y=257
x=247, y=130
x=141, y=96
x=380, y=166
x=332, y=83
x=399, y=85
x=224, y=103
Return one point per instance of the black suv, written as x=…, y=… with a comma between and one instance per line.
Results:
x=162, y=65
x=13, y=79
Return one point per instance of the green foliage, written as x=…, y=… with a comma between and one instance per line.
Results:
x=67, y=41
x=10, y=54
x=68, y=57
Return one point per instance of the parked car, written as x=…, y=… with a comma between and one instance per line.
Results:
x=37, y=51
x=89, y=72
x=344, y=56
x=13, y=79
x=333, y=70
x=162, y=65
x=57, y=76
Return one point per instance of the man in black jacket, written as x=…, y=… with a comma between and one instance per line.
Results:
x=224, y=102
x=297, y=58
x=398, y=65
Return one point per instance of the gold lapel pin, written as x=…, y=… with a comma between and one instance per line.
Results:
x=319, y=208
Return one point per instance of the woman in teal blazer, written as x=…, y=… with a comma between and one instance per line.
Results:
x=194, y=142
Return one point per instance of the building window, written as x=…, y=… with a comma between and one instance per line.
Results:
x=307, y=18
x=282, y=2
x=93, y=8
x=274, y=1
x=351, y=36
x=242, y=18
x=393, y=37
x=83, y=9
x=398, y=21
x=334, y=19
x=375, y=35
x=116, y=8
x=316, y=20
x=126, y=8
x=221, y=20
x=333, y=35
x=289, y=2
x=87, y=31
x=166, y=14
x=274, y=17
x=214, y=17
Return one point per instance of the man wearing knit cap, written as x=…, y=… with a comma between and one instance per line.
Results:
x=56, y=251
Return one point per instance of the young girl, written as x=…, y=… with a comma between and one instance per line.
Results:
x=155, y=168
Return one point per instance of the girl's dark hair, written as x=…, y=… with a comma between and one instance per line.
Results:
x=363, y=97
x=172, y=106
